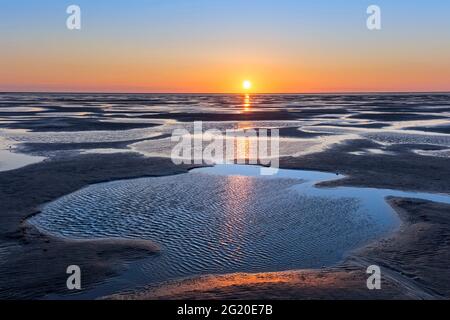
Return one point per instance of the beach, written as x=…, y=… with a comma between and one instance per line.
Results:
x=381, y=142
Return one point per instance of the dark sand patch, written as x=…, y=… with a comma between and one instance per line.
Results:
x=273, y=115
x=407, y=147
x=294, y=132
x=419, y=252
x=404, y=171
x=74, y=124
x=11, y=115
x=416, y=108
x=377, y=125
x=37, y=264
x=72, y=109
x=392, y=117
x=46, y=147
x=436, y=129
x=253, y=116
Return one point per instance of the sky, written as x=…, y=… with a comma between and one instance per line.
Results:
x=212, y=46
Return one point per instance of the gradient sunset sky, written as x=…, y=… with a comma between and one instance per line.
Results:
x=206, y=46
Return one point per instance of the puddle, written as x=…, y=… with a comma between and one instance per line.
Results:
x=105, y=151
x=434, y=153
x=11, y=161
x=225, y=219
x=372, y=151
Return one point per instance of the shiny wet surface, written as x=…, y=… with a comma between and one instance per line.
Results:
x=225, y=219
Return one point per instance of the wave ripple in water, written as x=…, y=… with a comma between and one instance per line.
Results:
x=207, y=221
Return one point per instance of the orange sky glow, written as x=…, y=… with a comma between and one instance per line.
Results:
x=301, y=47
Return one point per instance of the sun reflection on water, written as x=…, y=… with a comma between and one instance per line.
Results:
x=237, y=200
x=247, y=103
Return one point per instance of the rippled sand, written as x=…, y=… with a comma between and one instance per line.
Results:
x=210, y=221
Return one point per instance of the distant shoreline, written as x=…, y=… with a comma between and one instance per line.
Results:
x=348, y=93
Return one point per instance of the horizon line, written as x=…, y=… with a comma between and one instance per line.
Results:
x=228, y=93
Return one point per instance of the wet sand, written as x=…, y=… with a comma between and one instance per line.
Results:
x=414, y=260
x=437, y=129
x=403, y=170
x=44, y=148
x=33, y=265
x=413, y=263
x=74, y=125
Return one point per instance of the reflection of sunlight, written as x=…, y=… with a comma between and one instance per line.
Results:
x=237, y=200
x=247, y=103
x=247, y=148
x=242, y=144
x=245, y=125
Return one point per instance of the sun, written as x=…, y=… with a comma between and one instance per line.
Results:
x=247, y=85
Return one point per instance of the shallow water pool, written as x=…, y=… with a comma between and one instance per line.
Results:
x=225, y=219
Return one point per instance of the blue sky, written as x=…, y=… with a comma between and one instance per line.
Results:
x=159, y=31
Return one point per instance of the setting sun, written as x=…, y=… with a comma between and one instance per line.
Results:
x=247, y=85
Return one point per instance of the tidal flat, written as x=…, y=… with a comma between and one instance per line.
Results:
x=55, y=209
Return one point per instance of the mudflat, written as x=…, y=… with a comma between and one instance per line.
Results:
x=355, y=135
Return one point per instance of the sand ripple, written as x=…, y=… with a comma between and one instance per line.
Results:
x=207, y=223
